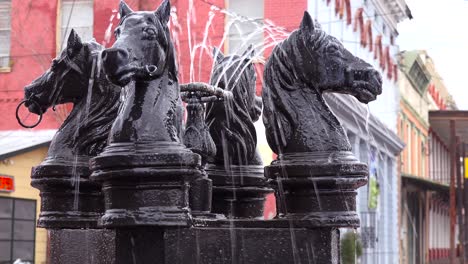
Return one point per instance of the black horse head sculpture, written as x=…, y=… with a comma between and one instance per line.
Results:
x=231, y=121
x=162, y=177
x=144, y=56
x=96, y=102
x=300, y=69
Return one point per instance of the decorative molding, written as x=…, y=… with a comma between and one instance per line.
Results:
x=5, y=69
x=353, y=117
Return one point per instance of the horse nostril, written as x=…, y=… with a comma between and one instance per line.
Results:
x=28, y=92
x=123, y=54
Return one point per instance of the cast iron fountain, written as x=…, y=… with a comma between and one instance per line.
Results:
x=195, y=194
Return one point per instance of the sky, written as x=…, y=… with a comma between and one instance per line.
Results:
x=441, y=28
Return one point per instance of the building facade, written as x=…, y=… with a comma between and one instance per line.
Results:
x=425, y=162
x=19, y=202
x=30, y=37
x=367, y=30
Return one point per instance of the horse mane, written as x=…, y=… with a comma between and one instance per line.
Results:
x=93, y=133
x=171, y=57
x=233, y=118
x=282, y=76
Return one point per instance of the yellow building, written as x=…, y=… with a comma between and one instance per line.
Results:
x=425, y=162
x=19, y=202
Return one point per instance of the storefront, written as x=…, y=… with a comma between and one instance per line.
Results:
x=19, y=202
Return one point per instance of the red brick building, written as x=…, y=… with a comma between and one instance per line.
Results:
x=34, y=28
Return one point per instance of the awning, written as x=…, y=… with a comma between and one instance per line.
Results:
x=426, y=184
x=13, y=142
x=440, y=124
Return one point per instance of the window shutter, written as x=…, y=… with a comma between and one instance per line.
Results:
x=5, y=28
x=79, y=16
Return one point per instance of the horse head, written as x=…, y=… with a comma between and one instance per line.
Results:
x=300, y=69
x=327, y=66
x=237, y=71
x=144, y=55
x=143, y=49
x=232, y=120
x=63, y=82
x=74, y=77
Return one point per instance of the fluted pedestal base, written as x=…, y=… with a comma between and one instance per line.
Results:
x=68, y=198
x=238, y=191
x=318, y=187
x=147, y=183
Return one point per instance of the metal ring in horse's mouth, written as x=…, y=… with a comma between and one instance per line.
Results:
x=38, y=107
x=151, y=70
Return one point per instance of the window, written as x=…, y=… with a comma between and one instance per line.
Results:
x=246, y=29
x=76, y=14
x=17, y=229
x=418, y=76
x=5, y=28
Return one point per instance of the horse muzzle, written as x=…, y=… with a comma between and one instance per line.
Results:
x=33, y=105
x=33, y=100
x=366, y=83
x=121, y=70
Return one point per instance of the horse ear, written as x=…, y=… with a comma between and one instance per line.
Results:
x=249, y=52
x=74, y=43
x=217, y=54
x=307, y=24
x=124, y=9
x=164, y=11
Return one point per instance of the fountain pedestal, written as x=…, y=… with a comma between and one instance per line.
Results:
x=68, y=198
x=239, y=192
x=146, y=183
x=318, y=187
x=220, y=242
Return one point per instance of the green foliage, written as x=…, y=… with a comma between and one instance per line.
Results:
x=374, y=192
x=351, y=248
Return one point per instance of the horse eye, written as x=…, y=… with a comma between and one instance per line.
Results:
x=332, y=49
x=149, y=33
x=117, y=32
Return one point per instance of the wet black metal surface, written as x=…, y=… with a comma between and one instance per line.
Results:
x=315, y=174
x=300, y=69
x=239, y=186
x=68, y=198
x=195, y=245
x=146, y=171
x=197, y=195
